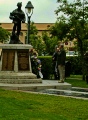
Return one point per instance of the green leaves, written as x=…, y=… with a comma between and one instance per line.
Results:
x=4, y=35
x=76, y=16
x=36, y=40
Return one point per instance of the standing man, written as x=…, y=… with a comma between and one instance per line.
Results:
x=17, y=16
x=61, y=57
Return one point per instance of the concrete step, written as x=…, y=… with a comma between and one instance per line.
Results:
x=19, y=75
x=66, y=93
x=19, y=78
x=46, y=84
x=20, y=81
x=79, y=89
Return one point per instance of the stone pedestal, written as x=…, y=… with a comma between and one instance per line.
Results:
x=15, y=64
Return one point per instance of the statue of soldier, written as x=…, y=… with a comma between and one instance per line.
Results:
x=17, y=16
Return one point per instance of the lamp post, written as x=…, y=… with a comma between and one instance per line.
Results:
x=29, y=11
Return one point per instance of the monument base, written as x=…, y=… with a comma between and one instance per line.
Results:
x=18, y=78
x=15, y=65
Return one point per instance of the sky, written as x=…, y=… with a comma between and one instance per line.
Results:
x=43, y=11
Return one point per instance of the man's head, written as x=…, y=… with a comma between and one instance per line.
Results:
x=61, y=45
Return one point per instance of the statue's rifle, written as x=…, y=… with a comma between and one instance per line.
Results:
x=16, y=16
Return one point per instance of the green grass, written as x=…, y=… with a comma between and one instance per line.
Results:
x=16, y=105
x=76, y=81
x=27, y=106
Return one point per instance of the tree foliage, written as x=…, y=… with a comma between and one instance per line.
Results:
x=50, y=42
x=60, y=29
x=4, y=35
x=36, y=40
x=43, y=44
x=76, y=16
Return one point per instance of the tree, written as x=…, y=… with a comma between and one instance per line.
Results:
x=76, y=16
x=50, y=42
x=36, y=40
x=60, y=29
x=56, y=33
x=4, y=35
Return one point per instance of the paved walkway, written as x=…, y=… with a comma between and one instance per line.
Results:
x=50, y=86
x=46, y=84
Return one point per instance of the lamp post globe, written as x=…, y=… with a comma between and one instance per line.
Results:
x=29, y=11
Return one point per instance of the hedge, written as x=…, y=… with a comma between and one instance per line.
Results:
x=73, y=66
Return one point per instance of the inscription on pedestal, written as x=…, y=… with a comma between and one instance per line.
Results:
x=23, y=60
x=8, y=60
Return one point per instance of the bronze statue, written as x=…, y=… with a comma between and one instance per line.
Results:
x=17, y=16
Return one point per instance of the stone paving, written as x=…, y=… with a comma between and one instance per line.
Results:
x=50, y=87
x=69, y=93
x=46, y=84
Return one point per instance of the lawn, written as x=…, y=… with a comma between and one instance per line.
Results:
x=17, y=105
x=76, y=81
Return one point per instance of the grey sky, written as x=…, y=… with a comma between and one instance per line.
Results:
x=43, y=10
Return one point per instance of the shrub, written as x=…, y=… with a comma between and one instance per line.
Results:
x=76, y=67
x=73, y=66
x=46, y=66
